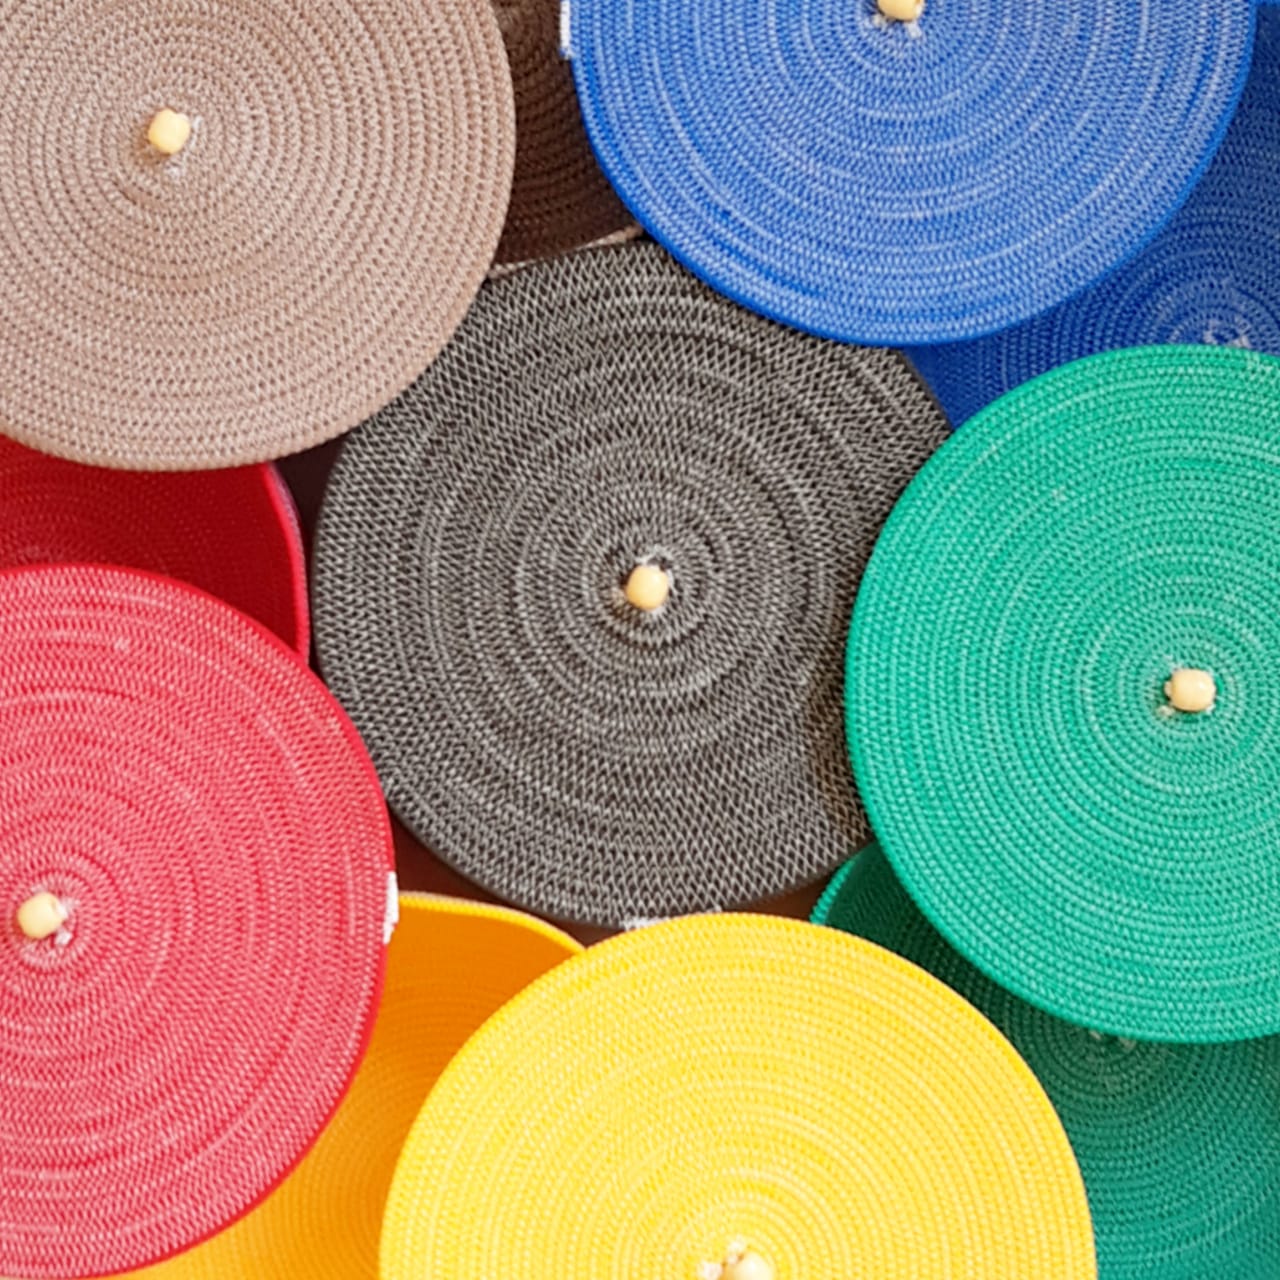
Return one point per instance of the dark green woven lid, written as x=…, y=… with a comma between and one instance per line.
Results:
x=1178, y=1144
x=1109, y=858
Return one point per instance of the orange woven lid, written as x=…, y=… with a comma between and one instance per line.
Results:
x=450, y=965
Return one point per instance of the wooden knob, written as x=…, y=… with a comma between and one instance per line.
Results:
x=749, y=1266
x=901, y=10
x=41, y=916
x=648, y=587
x=169, y=131
x=1191, y=690
x=740, y=1263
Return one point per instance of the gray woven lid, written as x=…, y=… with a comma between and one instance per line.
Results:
x=573, y=753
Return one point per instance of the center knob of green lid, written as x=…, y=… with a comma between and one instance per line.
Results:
x=1192, y=690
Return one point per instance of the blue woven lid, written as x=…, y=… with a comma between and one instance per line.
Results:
x=890, y=184
x=1210, y=276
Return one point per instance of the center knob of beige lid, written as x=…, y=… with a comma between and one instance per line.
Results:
x=1192, y=690
x=169, y=131
x=41, y=916
x=648, y=587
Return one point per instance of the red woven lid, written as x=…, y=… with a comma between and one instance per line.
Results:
x=234, y=533
x=200, y=806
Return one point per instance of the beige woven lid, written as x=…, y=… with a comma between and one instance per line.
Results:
x=560, y=200
x=288, y=270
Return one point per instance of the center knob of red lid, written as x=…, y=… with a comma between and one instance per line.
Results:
x=41, y=916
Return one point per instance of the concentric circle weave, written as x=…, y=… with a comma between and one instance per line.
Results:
x=559, y=199
x=1106, y=856
x=1178, y=1144
x=1209, y=276
x=209, y=821
x=886, y=183
x=713, y=1079
x=292, y=268
x=570, y=752
x=232, y=533
x=449, y=967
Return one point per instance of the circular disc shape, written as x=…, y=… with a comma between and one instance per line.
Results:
x=559, y=199
x=582, y=757
x=449, y=967
x=889, y=183
x=1103, y=855
x=738, y=1077
x=295, y=265
x=207, y=816
x=1208, y=277
x=1178, y=1144
x=234, y=534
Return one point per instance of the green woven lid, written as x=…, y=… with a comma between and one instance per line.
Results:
x=1109, y=858
x=1178, y=1144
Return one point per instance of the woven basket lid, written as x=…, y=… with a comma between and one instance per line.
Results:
x=571, y=752
x=891, y=183
x=290, y=269
x=1103, y=853
x=450, y=966
x=1177, y=1143
x=206, y=818
x=232, y=533
x=737, y=1078
x=559, y=199
x=1209, y=276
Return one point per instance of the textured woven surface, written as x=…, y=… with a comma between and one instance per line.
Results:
x=449, y=967
x=565, y=750
x=559, y=200
x=1209, y=276
x=672, y=1090
x=206, y=814
x=1178, y=1144
x=232, y=533
x=856, y=181
x=1105, y=856
x=293, y=268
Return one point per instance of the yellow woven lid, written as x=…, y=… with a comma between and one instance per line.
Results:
x=450, y=965
x=720, y=1083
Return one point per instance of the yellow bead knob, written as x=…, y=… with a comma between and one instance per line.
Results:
x=648, y=587
x=1191, y=690
x=901, y=10
x=41, y=916
x=169, y=131
x=750, y=1266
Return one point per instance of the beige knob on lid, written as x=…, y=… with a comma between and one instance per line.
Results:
x=648, y=587
x=740, y=1263
x=749, y=1266
x=901, y=10
x=1191, y=690
x=41, y=916
x=169, y=131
